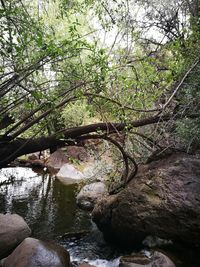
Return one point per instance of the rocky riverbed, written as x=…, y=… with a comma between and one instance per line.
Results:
x=158, y=213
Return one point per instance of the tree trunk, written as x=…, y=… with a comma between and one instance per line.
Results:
x=10, y=150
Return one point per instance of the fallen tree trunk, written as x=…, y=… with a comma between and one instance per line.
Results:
x=11, y=148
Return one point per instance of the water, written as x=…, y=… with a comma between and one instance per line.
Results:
x=50, y=210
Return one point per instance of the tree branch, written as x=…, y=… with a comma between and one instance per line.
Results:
x=180, y=84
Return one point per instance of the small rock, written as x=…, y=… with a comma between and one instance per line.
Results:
x=129, y=264
x=33, y=252
x=154, y=241
x=13, y=230
x=89, y=195
x=161, y=260
x=2, y=261
x=85, y=265
x=33, y=156
x=157, y=259
x=136, y=260
x=69, y=175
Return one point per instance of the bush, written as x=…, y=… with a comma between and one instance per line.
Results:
x=75, y=114
x=188, y=131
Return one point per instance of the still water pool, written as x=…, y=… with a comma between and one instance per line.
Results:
x=50, y=210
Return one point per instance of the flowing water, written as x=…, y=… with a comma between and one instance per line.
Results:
x=50, y=210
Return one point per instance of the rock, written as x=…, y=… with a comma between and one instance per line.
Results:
x=76, y=235
x=161, y=260
x=136, y=260
x=68, y=174
x=36, y=163
x=85, y=265
x=56, y=160
x=154, y=241
x=157, y=259
x=77, y=153
x=67, y=155
x=13, y=230
x=163, y=200
x=33, y=252
x=33, y=156
x=2, y=261
x=37, y=159
x=129, y=264
x=89, y=195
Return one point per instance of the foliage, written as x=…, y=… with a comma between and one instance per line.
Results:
x=188, y=131
x=75, y=114
x=58, y=69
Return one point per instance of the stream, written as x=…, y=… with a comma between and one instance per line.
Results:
x=50, y=210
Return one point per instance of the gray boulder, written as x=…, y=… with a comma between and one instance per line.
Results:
x=33, y=252
x=89, y=194
x=163, y=200
x=13, y=230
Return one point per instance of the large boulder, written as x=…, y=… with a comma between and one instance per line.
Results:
x=162, y=200
x=67, y=155
x=89, y=195
x=33, y=252
x=13, y=230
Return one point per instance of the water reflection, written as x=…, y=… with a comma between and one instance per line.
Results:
x=48, y=206
x=50, y=209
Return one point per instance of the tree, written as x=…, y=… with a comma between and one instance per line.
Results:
x=135, y=84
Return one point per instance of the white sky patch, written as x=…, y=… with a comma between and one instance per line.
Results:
x=136, y=14
x=120, y=38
